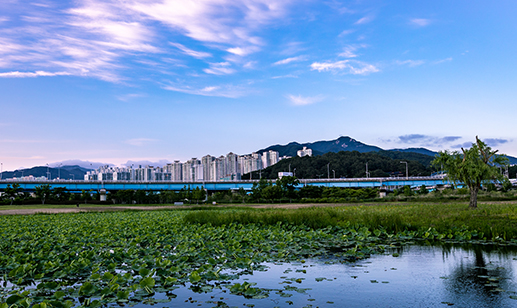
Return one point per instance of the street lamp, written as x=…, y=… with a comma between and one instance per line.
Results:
x=328, y=170
x=294, y=172
x=334, y=173
x=405, y=162
x=367, y=173
x=59, y=171
x=48, y=173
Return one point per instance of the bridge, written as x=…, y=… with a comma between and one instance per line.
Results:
x=80, y=185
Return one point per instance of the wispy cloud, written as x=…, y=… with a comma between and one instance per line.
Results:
x=190, y=52
x=242, y=51
x=146, y=162
x=140, y=141
x=349, y=50
x=128, y=97
x=410, y=63
x=285, y=76
x=222, y=21
x=346, y=32
x=229, y=90
x=426, y=140
x=467, y=144
x=221, y=68
x=102, y=39
x=31, y=74
x=250, y=64
x=292, y=48
x=365, y=20
x=443, y=60
x=347, y=66
x=419, y=22
x=495, y=142
x=492, y=142
x=289, y=60
x=299, y=100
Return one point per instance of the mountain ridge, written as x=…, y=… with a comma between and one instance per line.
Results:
x=345, y=143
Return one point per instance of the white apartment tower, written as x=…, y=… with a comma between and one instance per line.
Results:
x=304, y=152
x=206, y=161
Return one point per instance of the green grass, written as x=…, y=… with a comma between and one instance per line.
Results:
x=70, y=206
x=490, y=221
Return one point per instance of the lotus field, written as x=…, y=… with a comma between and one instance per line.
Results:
x=129, y=258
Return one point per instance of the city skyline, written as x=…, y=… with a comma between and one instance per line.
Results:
x=161, y=80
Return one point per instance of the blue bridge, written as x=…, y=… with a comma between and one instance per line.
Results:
x=79, y=185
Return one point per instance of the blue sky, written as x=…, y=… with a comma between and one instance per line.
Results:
x=114, y=81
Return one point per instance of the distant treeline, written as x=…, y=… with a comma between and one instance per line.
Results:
x=350, y=165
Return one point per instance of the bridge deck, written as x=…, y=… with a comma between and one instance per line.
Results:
x=79, y=185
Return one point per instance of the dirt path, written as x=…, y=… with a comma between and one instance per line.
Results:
x=175, y=207
x=148, y=208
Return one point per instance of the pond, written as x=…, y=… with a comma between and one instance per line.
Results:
x=410, y=276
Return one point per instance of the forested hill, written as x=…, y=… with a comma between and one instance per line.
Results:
x=65, y=172
x=350, y=165
x=322, y=147
x=350, y=144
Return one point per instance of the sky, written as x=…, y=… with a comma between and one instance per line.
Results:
x=124, y=81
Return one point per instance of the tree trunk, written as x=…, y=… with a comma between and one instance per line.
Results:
x=473, y=204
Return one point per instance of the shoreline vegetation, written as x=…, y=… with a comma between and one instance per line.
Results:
x=492, y=221
x=127, y=254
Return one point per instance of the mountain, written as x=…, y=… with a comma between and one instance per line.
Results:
x=86, y=164
x=63, y=172
x=349, y=144
x=416, y=150
x=322, y=147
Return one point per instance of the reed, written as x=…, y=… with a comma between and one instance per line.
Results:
x=490, y=221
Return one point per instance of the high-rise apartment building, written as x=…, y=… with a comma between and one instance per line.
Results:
x=209, y=168
x=206, y=161
x=304, y=152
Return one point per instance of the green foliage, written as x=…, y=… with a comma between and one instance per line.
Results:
x=198, y=194
x=115, y=258
x=42, y=192
x=287, y=185
x=11, y=192
x=423, y=190
x=407, y=191
x=350, y=164
x=271, y=192
x=474, y=167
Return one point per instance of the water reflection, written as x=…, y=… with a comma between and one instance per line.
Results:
x=421, y=276
x=479, y=275
x=484, y=276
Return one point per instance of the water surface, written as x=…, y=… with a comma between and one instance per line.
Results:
x=420, y=276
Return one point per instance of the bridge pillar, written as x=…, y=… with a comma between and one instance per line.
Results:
x=102, y=193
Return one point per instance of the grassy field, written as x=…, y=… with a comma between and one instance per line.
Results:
x=492, y=220
x=125, y=257
x=489, y=221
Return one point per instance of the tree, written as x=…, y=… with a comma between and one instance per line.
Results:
x=86, y=195
x=198, y=194
x=271, y=192
x=242, y=193
x=258, y=187
x=60, y=194
x=474, y=167
x=12, y=191
x=43, y=192
x=288, y=185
